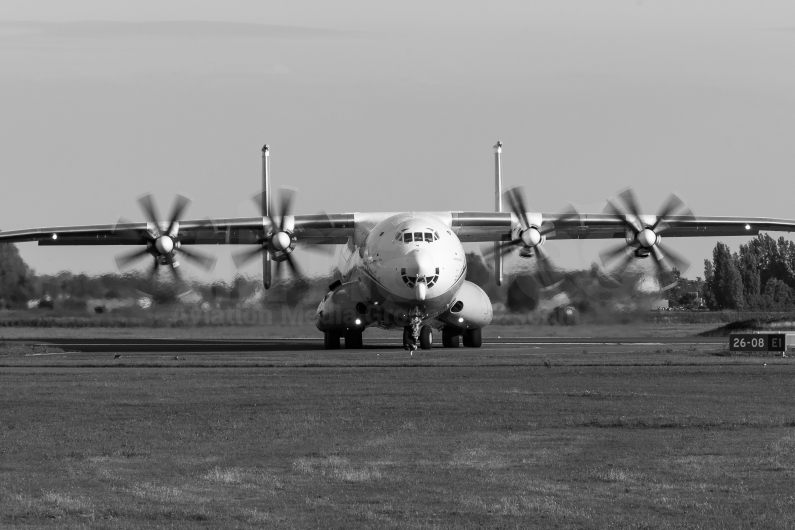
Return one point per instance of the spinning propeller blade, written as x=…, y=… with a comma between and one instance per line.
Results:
x=164, y=246
x=645, y=239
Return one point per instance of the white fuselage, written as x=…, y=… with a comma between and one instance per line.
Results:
x=403, y=264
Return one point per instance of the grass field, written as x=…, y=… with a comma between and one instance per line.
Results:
x=587, y=441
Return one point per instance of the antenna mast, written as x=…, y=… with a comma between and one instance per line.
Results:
x=497, y=208
x=266, y=211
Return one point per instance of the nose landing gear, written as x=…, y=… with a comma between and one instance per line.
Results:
x=423, y=339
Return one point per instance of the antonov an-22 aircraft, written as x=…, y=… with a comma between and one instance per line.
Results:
x=404, y=271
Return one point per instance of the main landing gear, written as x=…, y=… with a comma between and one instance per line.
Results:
x=353, y=339
x=451, y=338
x=331, y=340
x=452, y=335
x=472, y=338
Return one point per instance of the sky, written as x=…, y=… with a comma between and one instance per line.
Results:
x=384, y=106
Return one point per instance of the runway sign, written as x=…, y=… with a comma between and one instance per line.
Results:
x=758, y=342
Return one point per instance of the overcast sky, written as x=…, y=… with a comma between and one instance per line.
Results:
x=391, y=106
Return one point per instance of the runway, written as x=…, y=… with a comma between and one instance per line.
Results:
x=548, y=344
x=308, y=353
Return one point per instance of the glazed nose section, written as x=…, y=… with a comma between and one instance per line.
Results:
x=420, y=270
x=420, y=264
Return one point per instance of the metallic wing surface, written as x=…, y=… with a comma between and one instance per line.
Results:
x=337, y=228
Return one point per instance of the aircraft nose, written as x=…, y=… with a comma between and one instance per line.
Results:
x=420, y=273
x=420, y=264
x=420, y=290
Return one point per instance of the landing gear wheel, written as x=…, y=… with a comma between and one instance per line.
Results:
x=426, y=337
x=331, y=340
x=472, y=338
x=353, y=339
x=450, y=336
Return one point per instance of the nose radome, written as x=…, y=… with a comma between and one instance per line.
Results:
x=419, y=263
x=420, y=291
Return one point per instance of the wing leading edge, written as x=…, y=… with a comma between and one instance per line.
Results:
x=337, y=228
x=490, y=226
x=316, y=229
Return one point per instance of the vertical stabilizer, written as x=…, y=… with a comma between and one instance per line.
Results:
x=498, y=208
x=266, y=211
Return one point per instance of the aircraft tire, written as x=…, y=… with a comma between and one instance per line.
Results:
x=472, y=338
x=331, y=340
x=426, y=337
x=353, y=339
x=450, y=337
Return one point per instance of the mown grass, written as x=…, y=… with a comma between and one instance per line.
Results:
x=412, y=447
x=21, y=349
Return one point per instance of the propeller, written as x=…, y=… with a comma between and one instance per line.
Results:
x=530, y=238
x=280, y=239
x=163, y=245
x=642, y=237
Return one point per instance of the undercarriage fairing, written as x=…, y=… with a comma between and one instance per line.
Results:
x=356, y=306
x=471, y=308
x=347, y=306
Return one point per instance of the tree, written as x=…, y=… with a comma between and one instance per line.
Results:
x=522, y=295
x=15, y=281
x=709, y=285
x=749, y=271
x=778, y=296
x=727, y=282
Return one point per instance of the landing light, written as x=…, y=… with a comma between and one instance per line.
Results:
x=55, y=236
x=747, y=227
x=358, y=321
x=460, y=319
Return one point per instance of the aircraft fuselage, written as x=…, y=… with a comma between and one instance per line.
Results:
x=407, y=266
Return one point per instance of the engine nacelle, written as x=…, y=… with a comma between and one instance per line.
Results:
x=471, y=308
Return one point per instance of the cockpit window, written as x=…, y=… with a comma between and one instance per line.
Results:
x=417, y=237
x=411, y=281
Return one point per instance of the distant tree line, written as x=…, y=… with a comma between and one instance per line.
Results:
x=20, y=284
x=16, y=278
x=760, y=277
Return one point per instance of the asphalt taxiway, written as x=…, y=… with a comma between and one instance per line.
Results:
x=548, y=344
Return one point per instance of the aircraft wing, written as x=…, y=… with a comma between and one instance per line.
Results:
x=604, y=226
x=491, y=226
x=244, y=230
x=337, y=228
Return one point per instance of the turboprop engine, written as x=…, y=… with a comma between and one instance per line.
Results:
x=643, y=234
